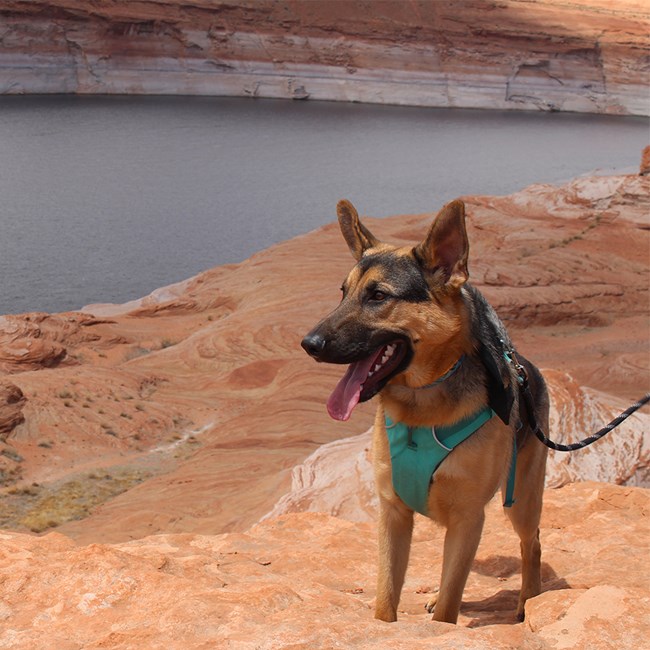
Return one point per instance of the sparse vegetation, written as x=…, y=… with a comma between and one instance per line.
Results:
x=75, y=499
x=24, y=490
x=12, y=454
x=577, y=237
x=136, y=352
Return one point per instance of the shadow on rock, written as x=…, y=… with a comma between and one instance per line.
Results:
x=500, y=608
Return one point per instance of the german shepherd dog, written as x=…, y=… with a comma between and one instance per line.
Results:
x=416, y=333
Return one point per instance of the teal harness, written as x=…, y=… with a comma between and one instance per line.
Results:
x=416, y=453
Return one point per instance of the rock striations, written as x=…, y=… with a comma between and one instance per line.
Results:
x=585, y=56
x=178, y=443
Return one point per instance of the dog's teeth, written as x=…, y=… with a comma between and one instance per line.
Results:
x=385, y=358
x=377, y=367
x=390, y=349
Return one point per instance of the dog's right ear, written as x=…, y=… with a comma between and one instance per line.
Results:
x=446, y=246
x=357, y=236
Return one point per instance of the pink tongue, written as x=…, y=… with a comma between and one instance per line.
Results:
x=347, y=392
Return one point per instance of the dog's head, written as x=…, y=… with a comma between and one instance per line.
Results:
x=401, y=313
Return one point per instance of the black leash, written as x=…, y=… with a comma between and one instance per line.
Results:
x=596, y=436
x=530, y=409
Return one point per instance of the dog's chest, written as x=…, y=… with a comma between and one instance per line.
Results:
x=417, y=452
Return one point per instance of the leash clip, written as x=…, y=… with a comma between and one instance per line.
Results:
x=511, y=357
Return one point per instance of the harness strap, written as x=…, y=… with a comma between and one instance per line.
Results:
x=510, y=487
x=417, y=452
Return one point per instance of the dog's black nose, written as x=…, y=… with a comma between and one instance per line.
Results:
x=313, y=344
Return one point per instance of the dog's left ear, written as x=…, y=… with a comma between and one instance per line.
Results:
x=357, y=236
x=446, y=246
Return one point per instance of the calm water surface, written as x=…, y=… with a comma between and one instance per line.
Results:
x=103, y=199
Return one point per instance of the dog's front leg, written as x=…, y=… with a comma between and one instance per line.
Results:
x=395, y=532
x=461, y=541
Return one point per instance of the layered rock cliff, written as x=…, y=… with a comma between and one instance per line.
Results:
x=587, y=55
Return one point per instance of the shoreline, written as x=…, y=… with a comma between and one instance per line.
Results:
x=372, y=86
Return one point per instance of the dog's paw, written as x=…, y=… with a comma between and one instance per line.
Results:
x=431, y=603
x=389, y=616
x=521, y=612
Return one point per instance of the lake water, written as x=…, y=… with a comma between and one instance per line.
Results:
x=103, y=199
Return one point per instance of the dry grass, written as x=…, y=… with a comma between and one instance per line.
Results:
x=75, y=499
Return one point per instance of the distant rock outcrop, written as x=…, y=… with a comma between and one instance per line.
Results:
x=12, y=401
x=512, y=54
x=39, y=340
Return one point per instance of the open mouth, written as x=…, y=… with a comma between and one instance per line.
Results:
x=365, y=378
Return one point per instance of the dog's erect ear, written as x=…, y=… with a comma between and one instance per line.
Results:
x=446, y=246
x=357, y=236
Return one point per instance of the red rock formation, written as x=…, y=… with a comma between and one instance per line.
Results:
x=307, y=581
x=39, y=340
x=586, y=55
x=203, y=386
x=12, y=402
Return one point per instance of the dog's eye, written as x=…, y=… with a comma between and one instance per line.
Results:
x=378, y=296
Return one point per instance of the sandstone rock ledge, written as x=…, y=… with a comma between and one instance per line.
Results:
x=306, y=581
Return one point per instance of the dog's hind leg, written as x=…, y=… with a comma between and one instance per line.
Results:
x=395, y=532
x=525, y=515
